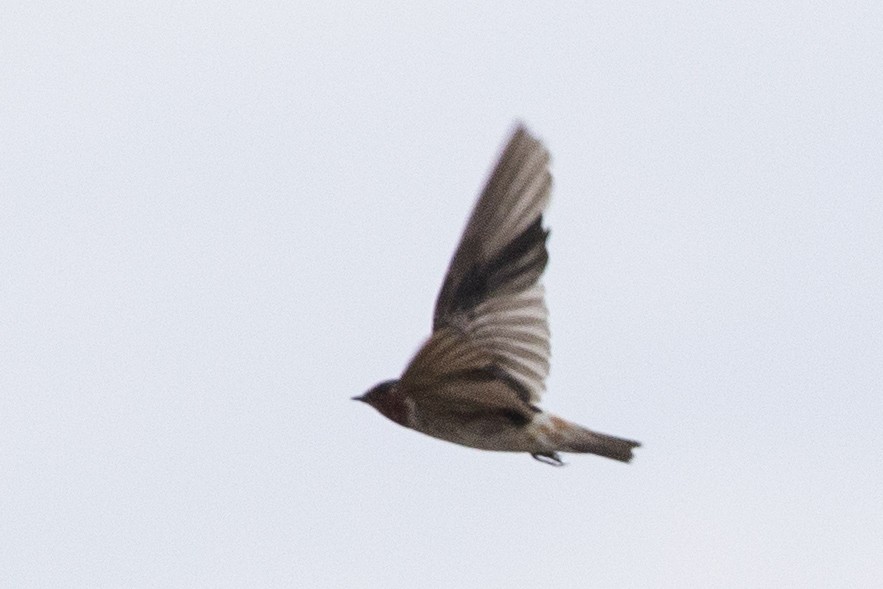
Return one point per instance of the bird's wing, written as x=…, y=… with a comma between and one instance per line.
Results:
x=490, y=312
x=474, y=396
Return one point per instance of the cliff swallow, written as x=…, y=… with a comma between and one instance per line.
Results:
x=478, y=377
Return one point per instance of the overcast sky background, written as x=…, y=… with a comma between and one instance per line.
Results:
x=219, y=224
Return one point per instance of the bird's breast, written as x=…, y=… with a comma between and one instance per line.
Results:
x=486, y=430
x=398, y=408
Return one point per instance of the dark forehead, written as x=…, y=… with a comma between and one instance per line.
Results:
x=383, y=386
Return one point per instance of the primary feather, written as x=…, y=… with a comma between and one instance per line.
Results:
x=490, y=312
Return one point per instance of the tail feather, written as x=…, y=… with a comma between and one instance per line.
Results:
x=587, y=441
x=559, y=435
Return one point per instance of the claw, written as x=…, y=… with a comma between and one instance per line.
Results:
x=551, y=458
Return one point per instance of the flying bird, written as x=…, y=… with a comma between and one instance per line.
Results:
x=478, y=377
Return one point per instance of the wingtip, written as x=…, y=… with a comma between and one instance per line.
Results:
x=520, y=130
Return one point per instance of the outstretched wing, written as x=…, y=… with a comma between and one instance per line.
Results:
x=490, y=313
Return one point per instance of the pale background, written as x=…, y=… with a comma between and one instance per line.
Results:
x=220, y=223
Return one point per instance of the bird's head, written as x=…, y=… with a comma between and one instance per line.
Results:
x=383, y=398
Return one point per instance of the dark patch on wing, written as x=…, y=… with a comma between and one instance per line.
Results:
x=493, y=372
x=517, y=267
x=513, y=416
x=516, y=417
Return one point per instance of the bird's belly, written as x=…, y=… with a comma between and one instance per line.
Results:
x=484, y=434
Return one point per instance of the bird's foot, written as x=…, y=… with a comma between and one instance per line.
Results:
x=550, y=458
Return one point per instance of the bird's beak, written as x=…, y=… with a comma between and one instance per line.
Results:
x=359, y=398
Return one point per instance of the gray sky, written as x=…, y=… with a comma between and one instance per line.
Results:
x=219, y=224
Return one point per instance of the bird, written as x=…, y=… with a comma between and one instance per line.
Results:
x=477, y=379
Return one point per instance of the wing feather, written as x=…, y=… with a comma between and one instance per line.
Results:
x=503, y=247
x=514, y=338
x=490, y=314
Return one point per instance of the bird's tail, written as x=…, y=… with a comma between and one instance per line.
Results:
x=586, y=440
x=570, y=437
